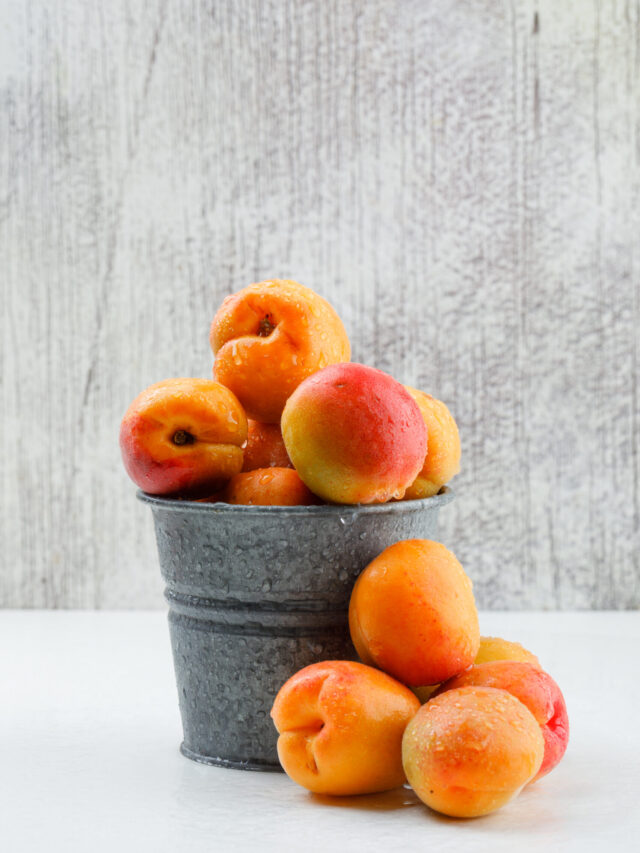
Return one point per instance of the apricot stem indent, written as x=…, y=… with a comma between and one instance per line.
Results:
x=181, y=437
x=265, y=327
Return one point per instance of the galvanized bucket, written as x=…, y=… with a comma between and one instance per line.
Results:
x=257, y=593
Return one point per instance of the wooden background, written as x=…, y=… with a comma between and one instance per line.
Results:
x=460, y=179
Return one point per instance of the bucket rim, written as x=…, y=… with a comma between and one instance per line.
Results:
x=444, y=496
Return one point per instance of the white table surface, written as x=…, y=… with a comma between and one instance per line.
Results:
x=89, y=761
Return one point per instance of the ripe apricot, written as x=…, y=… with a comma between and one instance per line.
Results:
x=535, y=689
x=341, y=726
x=183, y=436
x=469, y=751
x=442, y=461
x=495, y=648
x=269, y=487
x=270, y=336
x=491, y=648
x=265, y=447
x=354, y=434
x=413, y=615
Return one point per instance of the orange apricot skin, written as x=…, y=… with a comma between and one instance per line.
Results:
x=265, y=447
x=213, y=421
x=270, y=336
x=354, y=434
x=341, y=725
x=442, y=460
x=269, y=487
x=536, y=690
x=495, y=648
x=412, y=613
x=469, y=751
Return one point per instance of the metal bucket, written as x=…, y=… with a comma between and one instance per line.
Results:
x=257, y=593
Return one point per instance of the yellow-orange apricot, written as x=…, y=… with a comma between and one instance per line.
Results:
x=469, y=751
x=269, y=487
x=495, y=648
x=491, y=648
x=265, y=447
x=442, y=461
x=270, y=336
x=341, y=726
x=183, y=436
x=413, y=615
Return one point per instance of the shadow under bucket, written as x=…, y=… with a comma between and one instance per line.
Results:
x=257, y=593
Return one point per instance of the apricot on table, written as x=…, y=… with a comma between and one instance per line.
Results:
x=340, y=725
x=535, y=689
x=265, y=447
x=442, y=461
x=412, y=613
x=354, y=434
x=495, y=648
x=269, y=487
x=183, y=436
x=270, y=336
x=469, y=751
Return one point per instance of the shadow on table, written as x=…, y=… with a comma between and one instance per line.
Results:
x=398, y=798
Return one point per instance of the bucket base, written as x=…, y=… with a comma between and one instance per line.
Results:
x=230, y=763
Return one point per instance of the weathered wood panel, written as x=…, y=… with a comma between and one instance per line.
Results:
x=461, y=179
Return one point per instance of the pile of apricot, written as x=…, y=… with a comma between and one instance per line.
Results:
x=289, y=420
x=492, y=720
x=286, y=398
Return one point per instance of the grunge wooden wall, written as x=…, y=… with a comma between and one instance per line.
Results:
x=460, y=178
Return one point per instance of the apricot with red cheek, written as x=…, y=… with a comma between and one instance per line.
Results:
x=469, y=751
x=354, y=434
x=442, y=461
x=270, y=336
x=412, y=613
x=341, y=725
x=535, y=689
x=183, y=436
x=265, y=447
x=269, y=487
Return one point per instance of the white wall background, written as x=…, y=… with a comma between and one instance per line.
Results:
x=460, y=178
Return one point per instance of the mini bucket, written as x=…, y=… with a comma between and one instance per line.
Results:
x=255, y=594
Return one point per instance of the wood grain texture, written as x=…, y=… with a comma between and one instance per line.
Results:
x=460, y=179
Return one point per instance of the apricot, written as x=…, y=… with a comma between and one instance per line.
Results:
x=469, y=751
x=340, y=725
x=442, y=461
x=183, y=436
x=495, y=648
x=535, y=689
x=269, y=487
x=354, y=434
x=491, y=648
x=265, y=447
x=270, y=336
x=413, y=615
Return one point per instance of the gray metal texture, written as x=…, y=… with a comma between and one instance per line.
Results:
x=257, y=593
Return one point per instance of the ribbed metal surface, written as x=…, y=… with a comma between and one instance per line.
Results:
x=255, y=594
